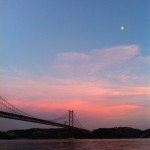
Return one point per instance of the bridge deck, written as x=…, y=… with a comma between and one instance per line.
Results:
x=35, y=120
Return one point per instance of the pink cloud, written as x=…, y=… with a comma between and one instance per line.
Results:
x=84, y=109
x=116, y=54
x=69, y=93
x=73, y=56
x=96, y=59
x=93, y=88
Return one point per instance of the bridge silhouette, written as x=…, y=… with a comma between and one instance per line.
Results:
x=7, y=110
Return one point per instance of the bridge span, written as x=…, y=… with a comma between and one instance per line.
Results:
x=9, y=111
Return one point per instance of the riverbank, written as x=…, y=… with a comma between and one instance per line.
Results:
x=59, y=133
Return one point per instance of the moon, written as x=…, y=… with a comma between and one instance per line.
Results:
x=122, y=28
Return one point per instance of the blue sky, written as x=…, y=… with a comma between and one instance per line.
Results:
x=61, y=44
x=35, y=31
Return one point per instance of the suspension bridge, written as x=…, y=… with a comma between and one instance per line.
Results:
x=70, y=120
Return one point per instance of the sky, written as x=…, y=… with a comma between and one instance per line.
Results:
x=60, y=55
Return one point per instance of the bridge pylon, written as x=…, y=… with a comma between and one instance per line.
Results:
x=71, y=124
x=71, y=118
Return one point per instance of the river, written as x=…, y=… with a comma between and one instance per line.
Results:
x=102, y=144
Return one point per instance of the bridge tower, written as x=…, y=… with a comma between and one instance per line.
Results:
x=71, y=124
x=71, y=118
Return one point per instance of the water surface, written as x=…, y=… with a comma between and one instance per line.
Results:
x=113, y=144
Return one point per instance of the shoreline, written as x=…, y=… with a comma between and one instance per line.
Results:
x=60, y=133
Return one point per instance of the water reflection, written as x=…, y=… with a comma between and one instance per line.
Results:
x=70, y=144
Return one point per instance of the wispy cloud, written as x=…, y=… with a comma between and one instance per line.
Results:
x=123, y=64
x=101, y=83
x=96, y=59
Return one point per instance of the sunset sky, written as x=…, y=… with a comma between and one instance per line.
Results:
x=60, y=55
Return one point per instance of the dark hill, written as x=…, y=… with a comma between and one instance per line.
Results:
x=60, y=133
x=146, y=134
x=119, y=132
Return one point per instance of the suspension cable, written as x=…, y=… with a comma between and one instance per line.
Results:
x=13, y=108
